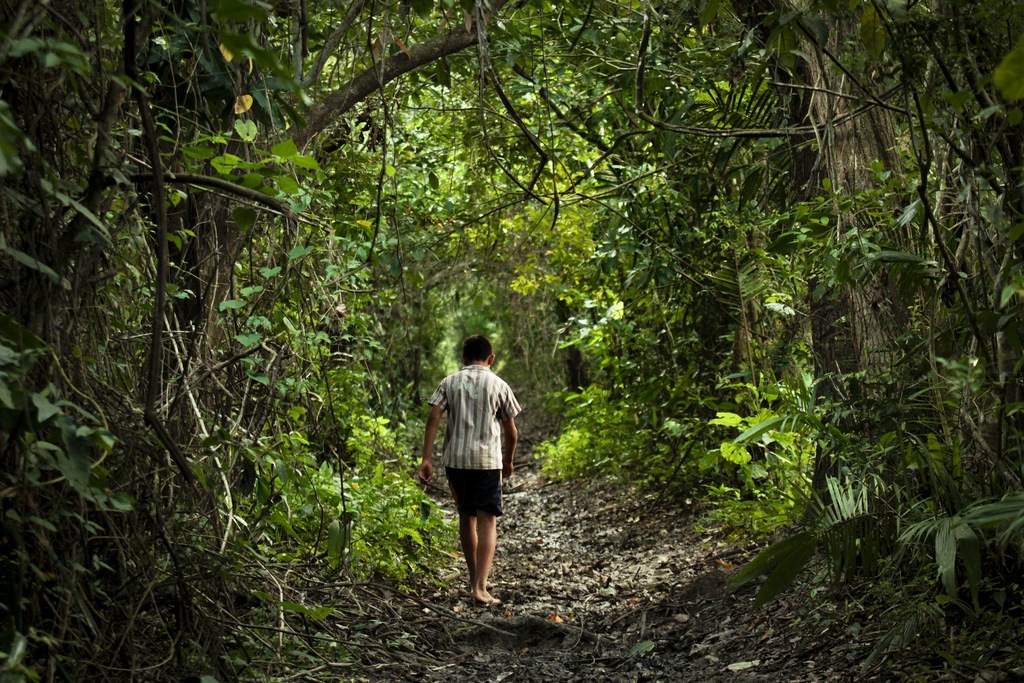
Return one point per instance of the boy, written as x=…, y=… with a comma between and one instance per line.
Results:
x=479, y=445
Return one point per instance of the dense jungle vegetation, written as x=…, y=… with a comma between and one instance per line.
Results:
x=761, y=254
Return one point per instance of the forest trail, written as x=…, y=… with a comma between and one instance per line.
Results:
x=599, y=583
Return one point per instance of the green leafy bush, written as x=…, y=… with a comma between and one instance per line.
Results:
x=364, y=516
x=601, y=437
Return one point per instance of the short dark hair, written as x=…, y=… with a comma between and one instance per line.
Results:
x=476, y=348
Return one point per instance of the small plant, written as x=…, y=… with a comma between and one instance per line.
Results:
x=766, y=467
x=855, y=528
x=600, y=438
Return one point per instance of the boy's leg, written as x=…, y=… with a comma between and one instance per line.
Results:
x=486, y=541
x=467, y=537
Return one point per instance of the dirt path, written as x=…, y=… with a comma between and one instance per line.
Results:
x=598, y=585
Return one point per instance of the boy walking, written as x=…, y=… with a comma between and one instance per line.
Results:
x=479, y=445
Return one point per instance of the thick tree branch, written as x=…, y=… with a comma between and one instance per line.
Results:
x=362, y=86
x=159, y=208
x=332, y=43
x=226, y=186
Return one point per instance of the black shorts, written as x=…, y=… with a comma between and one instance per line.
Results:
x=475, y=490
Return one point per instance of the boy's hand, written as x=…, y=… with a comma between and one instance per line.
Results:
x=425, y=472
x=506, y=469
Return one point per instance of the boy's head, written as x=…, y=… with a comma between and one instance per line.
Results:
x=476, y=349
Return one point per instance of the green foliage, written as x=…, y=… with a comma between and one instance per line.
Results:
x=737, y=295
x=965, y=544
x=855, y=527
x=765, y=469
x=1008, y=75
x=53, y=440
x=601, y=439
x=397, y=529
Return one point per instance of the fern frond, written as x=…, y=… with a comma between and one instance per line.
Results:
x=905, y=632
x=784, y=560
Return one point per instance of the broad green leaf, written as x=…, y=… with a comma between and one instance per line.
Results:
x=1007, y=294
x=231, y=304
x=245, y=217
x=199, y=152
x=246, y=129
x=816, y=28
x=755, y=431
x=945, y=554
x=260, y=377
x=872, y=31
x=287, y=184
x=73, y=461
x=21, y=337
x=249, y=339
x=286, y=149
x=22, y=46
x=33, y=263
x=6, y=396
x=708, y=12
x=334, y=544
x=786, y=243
x=1009, y=75
x=298, y=251
x=727, y=419
x=283, y=471
x=44, y=409
x=122, y=502
x=423, y=7
x=270, y=272
x=312, y=612
x=304, y=161
x=891, y=256
x=253, y=181
x=735, y=453
x=225, y=163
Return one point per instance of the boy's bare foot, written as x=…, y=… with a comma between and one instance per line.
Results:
x=484, y=598
x=486, y=601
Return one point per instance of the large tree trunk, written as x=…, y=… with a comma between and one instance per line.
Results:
x=853, y=325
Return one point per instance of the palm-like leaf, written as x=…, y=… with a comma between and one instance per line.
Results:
x=854, y=529
x=958, y=540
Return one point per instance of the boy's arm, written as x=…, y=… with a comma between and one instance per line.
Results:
x=426, y=469
x=511, y=434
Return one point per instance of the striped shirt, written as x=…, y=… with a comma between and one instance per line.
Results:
x=477, y=402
